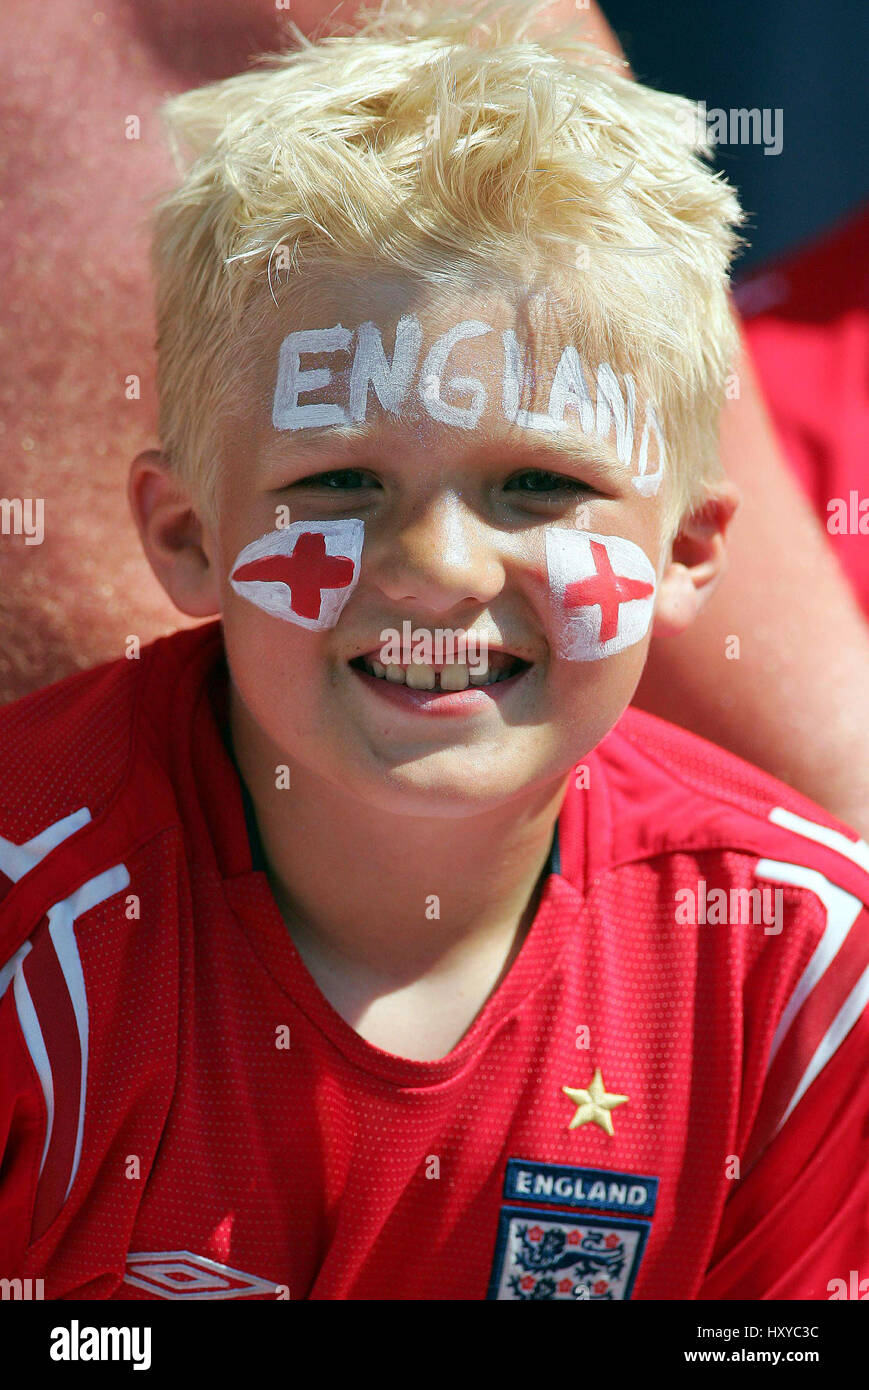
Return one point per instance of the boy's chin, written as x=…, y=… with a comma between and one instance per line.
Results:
x=447, y=786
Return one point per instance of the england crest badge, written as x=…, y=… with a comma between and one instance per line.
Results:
x=548, y=1251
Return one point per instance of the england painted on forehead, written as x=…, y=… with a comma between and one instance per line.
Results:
x=613, y=407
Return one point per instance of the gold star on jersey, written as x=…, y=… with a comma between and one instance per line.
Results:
x=594, y=1104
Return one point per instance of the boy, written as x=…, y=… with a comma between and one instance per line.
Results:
x=359, y=945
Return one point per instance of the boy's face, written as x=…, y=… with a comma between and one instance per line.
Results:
x=455, y=537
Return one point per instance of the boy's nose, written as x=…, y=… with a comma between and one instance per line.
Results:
x=441, y=557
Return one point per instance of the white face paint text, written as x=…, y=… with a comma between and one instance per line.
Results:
x=612, y=408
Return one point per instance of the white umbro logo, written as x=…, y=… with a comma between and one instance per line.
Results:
x=179, y=1274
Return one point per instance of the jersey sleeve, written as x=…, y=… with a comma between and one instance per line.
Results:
x=797, y=1221
x=22, y=1132
x=28, y=1090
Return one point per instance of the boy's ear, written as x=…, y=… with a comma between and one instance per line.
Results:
x=179, y=548
x=698, y=560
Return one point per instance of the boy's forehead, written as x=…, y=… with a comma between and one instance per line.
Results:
x=382, y=297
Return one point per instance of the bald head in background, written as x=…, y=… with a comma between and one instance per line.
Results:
x=77, y=359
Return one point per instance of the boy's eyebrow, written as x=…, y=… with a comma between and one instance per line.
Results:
x=569, y=444
x=558, y=446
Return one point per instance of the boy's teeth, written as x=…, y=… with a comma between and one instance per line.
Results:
x=420, y=677
x=454, y=677
x=480, y=675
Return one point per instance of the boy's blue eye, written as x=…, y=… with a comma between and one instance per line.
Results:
x=536, y=480
x=339, y=479
x=532, y=481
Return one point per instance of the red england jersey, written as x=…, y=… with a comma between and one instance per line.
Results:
x=666, y=1097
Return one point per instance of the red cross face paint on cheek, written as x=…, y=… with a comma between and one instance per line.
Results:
x=603, y=593
x=303, y=573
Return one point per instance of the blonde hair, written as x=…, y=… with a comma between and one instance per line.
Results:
x=445, y=144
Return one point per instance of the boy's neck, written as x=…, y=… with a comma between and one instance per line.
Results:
x=394, y=897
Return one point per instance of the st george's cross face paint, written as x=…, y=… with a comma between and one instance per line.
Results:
x=602, y=590
x=303, y=573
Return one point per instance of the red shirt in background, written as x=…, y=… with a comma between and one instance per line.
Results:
x=806, y=318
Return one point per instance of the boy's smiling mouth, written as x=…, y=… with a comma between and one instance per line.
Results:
x=443, y=686
x=495, y=666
